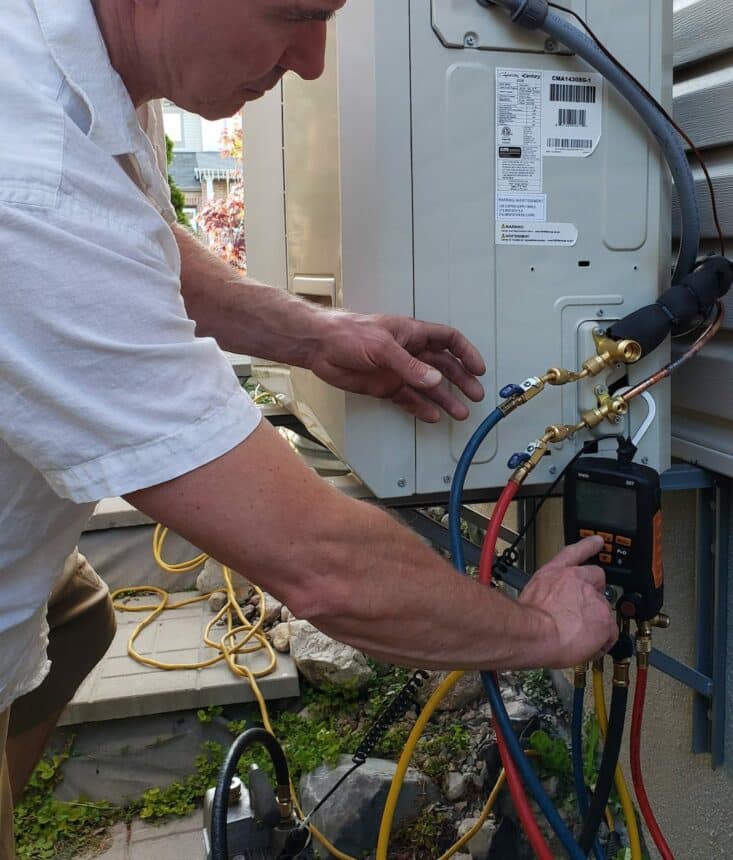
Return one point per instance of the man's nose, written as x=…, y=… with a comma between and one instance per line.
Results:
x=307, y=54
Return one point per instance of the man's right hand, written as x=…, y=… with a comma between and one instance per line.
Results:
x=569, y=598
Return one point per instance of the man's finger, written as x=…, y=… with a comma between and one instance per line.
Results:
x=577, y=553
x=595, y=576
x=454, y=371
x=448, y=402
x=411, y=370
x=417, y=405
x=440, y=337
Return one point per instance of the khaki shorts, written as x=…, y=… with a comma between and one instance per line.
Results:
x=82, y=625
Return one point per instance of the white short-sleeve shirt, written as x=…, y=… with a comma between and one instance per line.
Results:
x=104, y=388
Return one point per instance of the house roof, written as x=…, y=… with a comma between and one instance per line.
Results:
x=188, y=169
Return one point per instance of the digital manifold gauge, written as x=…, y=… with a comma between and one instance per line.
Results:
x=621, y=502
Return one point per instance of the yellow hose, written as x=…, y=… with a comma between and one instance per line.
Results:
x=627, y=806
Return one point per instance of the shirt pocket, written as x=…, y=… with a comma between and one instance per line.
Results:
x=31, y=150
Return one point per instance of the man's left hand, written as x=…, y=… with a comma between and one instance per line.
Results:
x=402, y=359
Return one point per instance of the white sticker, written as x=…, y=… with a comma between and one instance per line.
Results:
x=521, y=207
x=519, y=131
x=535, y=233
x=572, y=113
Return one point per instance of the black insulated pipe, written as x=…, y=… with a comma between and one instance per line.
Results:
x=220, y=806
x=609, y=762
x=684, y=304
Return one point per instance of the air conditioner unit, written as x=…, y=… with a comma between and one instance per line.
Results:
x=453, y=167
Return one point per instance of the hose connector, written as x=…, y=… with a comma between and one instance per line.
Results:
x=609, y=408
x=643, y=644
x=284, y=801
x=621, y=673
x=518, y=395
x=580, y=676
x=527, y=13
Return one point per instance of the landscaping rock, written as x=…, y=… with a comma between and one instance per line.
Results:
x=323, y=661
x=273, y=607
x=217, y=601
x=468, y=690
x=286, y=615
x=456, y=785
x=280, y=636
x=480, y=844
x=352, y=816
x=211, y=579
x=521, y=712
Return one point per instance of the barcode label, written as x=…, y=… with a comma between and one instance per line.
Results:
x=569, y=118
x=569, y=143
x=576, y=93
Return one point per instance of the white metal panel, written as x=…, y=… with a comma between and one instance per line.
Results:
x=703, y=104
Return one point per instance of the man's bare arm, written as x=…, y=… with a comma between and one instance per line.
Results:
x=384, y=356
x=361, y=578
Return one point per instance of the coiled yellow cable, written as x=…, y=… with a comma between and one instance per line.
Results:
x=228, y=648
x=599, y=696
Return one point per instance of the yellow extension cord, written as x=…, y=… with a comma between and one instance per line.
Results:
x=228, y=649
x=627, y=806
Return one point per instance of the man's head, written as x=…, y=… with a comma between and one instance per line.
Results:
x=211, y=56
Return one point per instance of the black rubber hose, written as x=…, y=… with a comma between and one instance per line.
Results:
x=220, y=806
x=609, y=762
x=680, y=307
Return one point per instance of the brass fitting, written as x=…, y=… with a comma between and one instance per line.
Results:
x=580, y=674
x=611, y=408
x=621, y=676
x=662, y=621
x=598, y=665
x=531, y=388
x=536, y=450
x=610, y=352
x=284, y=801
x=643, y=644
x=562, y=376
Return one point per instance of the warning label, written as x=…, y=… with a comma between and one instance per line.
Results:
x=535, y=233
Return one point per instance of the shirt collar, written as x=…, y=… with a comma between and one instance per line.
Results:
x=75, y=41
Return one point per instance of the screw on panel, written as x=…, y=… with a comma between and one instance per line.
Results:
x=550, y=45
x=470, y=40
x=600, y=312
x=645, y=460
x=402, y=482
x=553, y=470
x=447, y=479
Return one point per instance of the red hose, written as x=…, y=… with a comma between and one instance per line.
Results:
x=526, y=816
x=641, y=795
x=514, y=781
x=488, y=550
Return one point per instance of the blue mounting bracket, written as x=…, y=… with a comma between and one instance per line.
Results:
x=707, y=678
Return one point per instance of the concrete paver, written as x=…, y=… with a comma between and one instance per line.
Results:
x=119, y=687
x=179, y=839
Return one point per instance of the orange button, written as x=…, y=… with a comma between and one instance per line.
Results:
x=586, y=533
x=607, y=547
x=606, y=537
x=605, y=559
x=623, y=541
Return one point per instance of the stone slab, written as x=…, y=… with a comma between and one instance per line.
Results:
x=120, y=688
x=176, y=840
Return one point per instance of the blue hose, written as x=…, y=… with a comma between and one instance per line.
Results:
x=577, y=752
x=529, y=777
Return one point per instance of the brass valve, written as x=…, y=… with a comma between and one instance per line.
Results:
x=621, y=674
x=610, y=352
x=609, y=407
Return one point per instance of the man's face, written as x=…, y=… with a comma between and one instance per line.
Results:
x=224, y=53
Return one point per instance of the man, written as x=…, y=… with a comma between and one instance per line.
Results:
x=112, y=382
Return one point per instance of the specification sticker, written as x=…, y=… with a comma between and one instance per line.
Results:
x=572, y=113
x=518, y=131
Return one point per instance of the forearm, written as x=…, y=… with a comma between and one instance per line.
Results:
x=344, y=565
x=242, y=315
